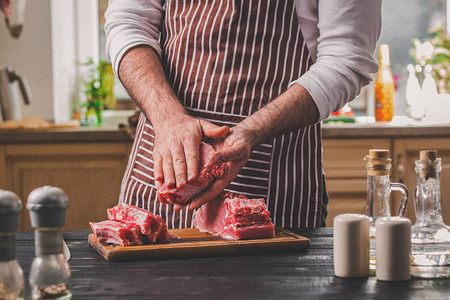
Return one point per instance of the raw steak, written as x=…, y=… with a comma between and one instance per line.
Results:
x=152, y=226
x=207, y=173
x=113, y=232
x=234, y=216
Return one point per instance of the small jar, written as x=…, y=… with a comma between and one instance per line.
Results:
x=12, y=283
x=50, y=272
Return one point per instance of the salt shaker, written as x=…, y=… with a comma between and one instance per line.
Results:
x=12, y=283
x=393, y=249
x=351, y=245
x=50, y=273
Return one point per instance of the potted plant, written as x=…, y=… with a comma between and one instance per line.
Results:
x=98, y=89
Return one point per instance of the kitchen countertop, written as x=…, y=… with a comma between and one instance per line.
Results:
x=400, y=127
x=305, y=275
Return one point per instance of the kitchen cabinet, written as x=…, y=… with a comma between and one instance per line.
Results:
x=346, y=175
x=89, y=173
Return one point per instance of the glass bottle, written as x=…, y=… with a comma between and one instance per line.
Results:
x=379, y=187
x=384, y=87
x=430, y=236
x=50, y=272
x=12, y=283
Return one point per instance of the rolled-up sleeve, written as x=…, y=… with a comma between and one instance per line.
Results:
x=131, y=23
x=348, y=33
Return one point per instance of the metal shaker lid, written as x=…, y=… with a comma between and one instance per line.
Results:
x=10, y=208
x=47, y=206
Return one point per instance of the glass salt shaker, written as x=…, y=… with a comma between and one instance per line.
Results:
x=50, y=273
x=430, y=237
x=12, y=283
x=379, y=187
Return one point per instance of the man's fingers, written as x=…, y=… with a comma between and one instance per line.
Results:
x=157, y=166
x=211, y=193
x=167, y=166
x=177, y=207
x=214, y=131
x=192, y=159
x=179, y=164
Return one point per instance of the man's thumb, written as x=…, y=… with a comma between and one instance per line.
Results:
x=213, y=131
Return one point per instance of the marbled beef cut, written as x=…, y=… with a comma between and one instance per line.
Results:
x=130, y=225
x=151, y=225
x=117, y=233
x=234, y=216
x=208, y=171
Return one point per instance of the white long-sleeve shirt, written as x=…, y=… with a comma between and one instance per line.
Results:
x=341, y=36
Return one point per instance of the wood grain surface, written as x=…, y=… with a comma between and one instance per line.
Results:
x=193, y=243
x=291, y=275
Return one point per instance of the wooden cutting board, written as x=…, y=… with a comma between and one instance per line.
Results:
x=193, y=243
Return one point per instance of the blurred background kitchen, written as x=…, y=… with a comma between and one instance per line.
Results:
x=77, y=130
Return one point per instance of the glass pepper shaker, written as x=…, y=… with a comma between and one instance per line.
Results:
x=12, y=283
x=379, y=187
x=49, y=273
x=430, y=237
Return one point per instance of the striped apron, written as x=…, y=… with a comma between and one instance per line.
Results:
x=225, y=60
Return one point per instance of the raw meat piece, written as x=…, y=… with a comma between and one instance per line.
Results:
x=248, y=232
x=234, y=216
x=152, y=226
x=113, y=232
x=208, y=172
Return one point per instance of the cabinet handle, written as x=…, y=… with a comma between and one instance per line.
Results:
x=401, y=169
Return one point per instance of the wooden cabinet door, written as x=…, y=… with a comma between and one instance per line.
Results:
x=346, y=174
x=90, y=174
x=406, y=153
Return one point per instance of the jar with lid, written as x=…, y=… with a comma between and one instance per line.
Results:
x=430, y=237
x=12, y=283
x=50, y=272
x=379, y=187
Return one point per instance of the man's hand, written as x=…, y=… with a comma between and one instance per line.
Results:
x=234, y=149
x=291, y=110
x=177, y=135
x=176, y=149
x=5, y=7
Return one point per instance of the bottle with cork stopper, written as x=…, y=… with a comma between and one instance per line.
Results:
x=430, y=236
x=379, y=187
x=384, y=87
x=12, y=283
x=49, y=273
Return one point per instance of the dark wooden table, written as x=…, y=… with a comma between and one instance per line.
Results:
x=305, y=275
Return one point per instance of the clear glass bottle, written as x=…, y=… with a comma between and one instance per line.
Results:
x=50, y=272
x=12, y=283
x=379, y=187
x=430, y=236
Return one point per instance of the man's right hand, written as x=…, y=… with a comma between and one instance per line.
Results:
x=176, y=149
x=177, y=134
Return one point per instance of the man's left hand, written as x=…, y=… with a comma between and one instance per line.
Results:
x=235, y=150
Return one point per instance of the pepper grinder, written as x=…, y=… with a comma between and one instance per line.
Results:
x=12, y=283
x=50, y=273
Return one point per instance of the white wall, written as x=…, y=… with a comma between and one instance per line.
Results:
x=57, y=34
x=31, y=54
